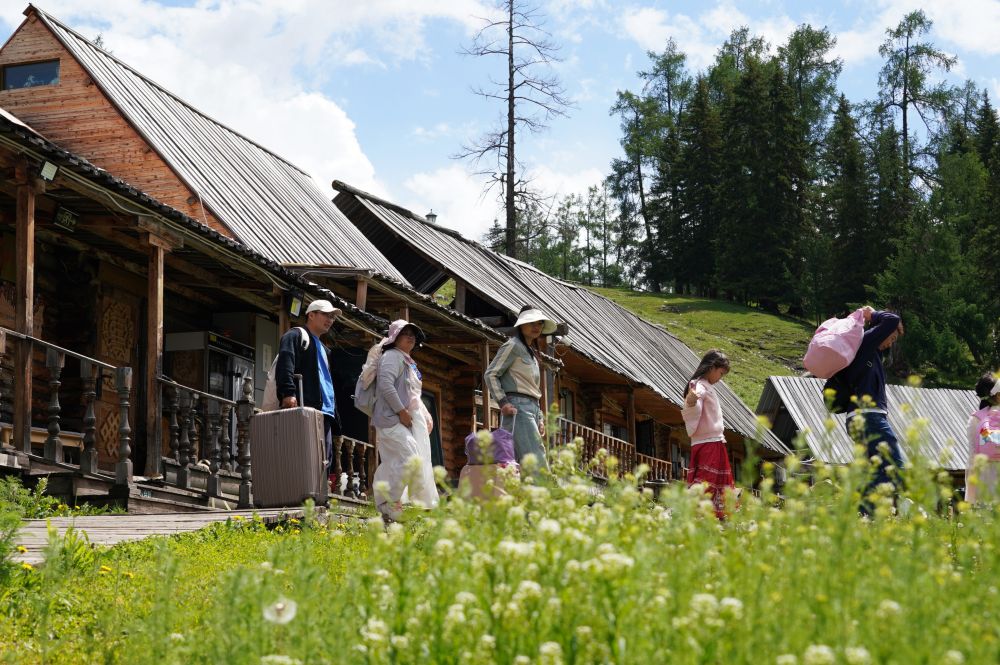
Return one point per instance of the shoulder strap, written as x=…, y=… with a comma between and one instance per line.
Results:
x=304, y=337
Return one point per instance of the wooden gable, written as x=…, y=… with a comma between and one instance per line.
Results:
x=77, y=115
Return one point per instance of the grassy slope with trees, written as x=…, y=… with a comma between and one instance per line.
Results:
x=759, y=344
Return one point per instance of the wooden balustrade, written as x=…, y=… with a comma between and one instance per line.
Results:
x=591, y=461
x=92, y=371
x=199, y=426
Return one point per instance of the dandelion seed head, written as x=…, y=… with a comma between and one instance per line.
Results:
x=281, y=611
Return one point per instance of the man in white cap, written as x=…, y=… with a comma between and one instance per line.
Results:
x=301, y=352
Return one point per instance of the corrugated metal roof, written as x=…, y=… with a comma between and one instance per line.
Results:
x=942, y=441
x=31, y=141
x=271, y=205
x=601, y=330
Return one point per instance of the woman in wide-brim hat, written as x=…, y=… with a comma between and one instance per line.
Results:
x=402, y=425
x=514, y=380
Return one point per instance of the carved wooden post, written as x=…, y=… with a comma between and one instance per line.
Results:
x=215, y=456
x=338, y=463
x=244, y=411
x=54, y=361
x=175, y=428
x=194, y=440
x=3, y=352
x=184, y=443
x=123, y=384
x=359, y=469
x=348, y=457
x=154, y=354
x=226, y=442
x=90, y=373
x=24, y=305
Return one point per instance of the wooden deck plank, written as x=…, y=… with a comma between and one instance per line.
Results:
x=113, y=529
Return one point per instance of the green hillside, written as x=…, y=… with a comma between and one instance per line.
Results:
x=758, y=344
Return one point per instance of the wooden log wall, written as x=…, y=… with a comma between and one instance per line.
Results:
x=76, y=115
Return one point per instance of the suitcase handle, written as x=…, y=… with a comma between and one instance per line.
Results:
x=298, y=384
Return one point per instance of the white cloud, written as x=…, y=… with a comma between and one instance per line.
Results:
x=700, y=36
x=456, y=196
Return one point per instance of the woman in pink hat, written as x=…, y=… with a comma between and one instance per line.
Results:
x=402, y=425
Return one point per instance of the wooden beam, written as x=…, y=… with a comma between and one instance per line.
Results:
x=154, y=357
x=404, y=311
x=124, y=264
x=485, y=360
x=630, y=416
x=362, y=295
x=282, y=311
x=460, y=293
x=24, y=306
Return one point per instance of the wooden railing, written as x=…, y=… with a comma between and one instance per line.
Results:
x=354, y=458
x=92, y=371
x=200, y=426
x=595, y=440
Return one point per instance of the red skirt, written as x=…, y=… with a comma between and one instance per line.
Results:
x=710, y=466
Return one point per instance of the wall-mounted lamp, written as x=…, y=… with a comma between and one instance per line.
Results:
x=49, y=170
x=66, y=219
x=432, y=217
x=294, y=302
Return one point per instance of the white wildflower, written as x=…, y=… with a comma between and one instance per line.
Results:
x=819, y=654
x=176, y=637
x=786, y=659
x=857, y=656
x=281, y=611
x=444, y=547
x=888, y=609
x=953, y=657
x=399, y=642
x=522, y=660
x=488, y=642
x=549, y=527
x=375, y=631
x=465, y=598
x=529, y=589
x=704, y=604
x=451, y=528
x=550, y=653
x=731, y=608
x=279, y=659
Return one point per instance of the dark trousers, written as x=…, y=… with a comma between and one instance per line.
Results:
x=875, y=432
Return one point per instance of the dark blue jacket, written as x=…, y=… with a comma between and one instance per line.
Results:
x=865, y=374
x=293, y=359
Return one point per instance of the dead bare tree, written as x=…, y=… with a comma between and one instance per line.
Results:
x=532, y=97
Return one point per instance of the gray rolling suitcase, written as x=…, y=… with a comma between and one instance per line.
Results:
x=287, y=451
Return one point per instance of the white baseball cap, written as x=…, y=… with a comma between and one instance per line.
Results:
x=323, y=306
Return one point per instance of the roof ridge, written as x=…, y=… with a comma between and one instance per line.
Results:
x=46, y=17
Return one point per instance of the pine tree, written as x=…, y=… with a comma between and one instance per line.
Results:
x=846, y=204
x=987, y=130
x=744, y=214
x=694, y=236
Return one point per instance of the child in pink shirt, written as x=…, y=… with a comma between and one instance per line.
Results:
x=702, y=415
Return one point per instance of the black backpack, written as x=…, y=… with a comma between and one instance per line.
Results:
x=840, y=384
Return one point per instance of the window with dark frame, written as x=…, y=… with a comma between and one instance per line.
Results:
x=30, y=75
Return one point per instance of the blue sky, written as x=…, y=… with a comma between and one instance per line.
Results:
x=375, y=92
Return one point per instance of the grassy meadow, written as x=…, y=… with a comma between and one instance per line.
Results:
x=552, y=573
x=759, y=344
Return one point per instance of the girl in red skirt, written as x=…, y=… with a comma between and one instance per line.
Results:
x=703, y=419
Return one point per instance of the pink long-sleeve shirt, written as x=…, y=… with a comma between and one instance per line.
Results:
x=704, y=419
